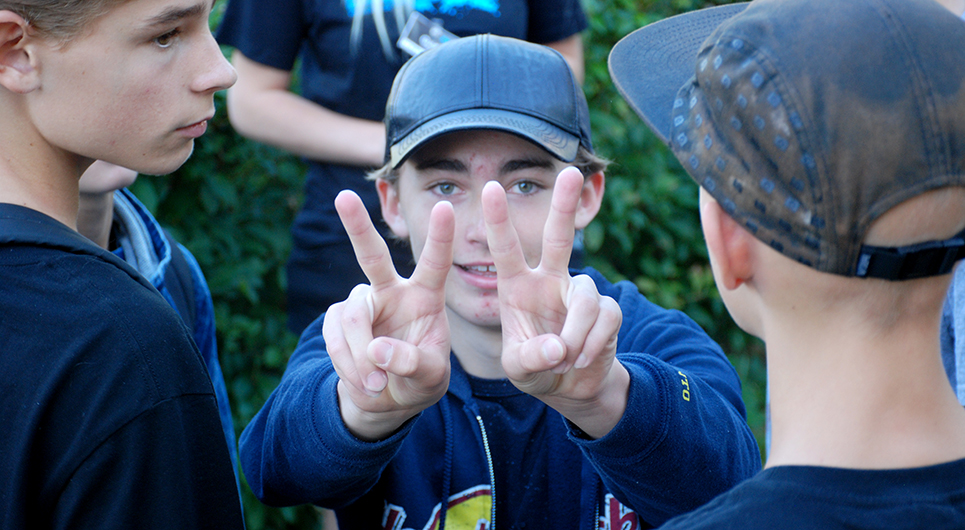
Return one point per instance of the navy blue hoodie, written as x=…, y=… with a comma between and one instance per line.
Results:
x=108, y=417
x=683, y=440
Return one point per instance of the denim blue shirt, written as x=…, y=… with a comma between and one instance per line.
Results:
x=142, y=245
x=953, y=334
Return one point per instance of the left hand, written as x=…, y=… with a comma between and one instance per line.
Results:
x=559, y=333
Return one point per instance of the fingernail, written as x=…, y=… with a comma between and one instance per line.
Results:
x=553, y=351
x=581, y=361
x=381, y=353
x=375, y=382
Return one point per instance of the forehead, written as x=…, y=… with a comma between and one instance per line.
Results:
x=148, y=14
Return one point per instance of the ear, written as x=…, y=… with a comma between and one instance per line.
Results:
x=729, y=244
x=391, y=209
x=590, y=199
x=18, y=73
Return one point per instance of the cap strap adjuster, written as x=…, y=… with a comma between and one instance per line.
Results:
x=921, y=260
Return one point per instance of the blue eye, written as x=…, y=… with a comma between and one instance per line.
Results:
x=445, y=188
x=525, y=187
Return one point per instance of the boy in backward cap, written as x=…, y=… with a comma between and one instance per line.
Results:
x=828, y=140
x=493, y=387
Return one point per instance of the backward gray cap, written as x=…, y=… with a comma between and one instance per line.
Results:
x=809, y=119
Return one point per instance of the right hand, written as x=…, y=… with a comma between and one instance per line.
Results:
x=389, y=341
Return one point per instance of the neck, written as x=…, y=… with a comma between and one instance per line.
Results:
x=844, y=394
x=34, y=173
x=479, y=349
x=95, y=217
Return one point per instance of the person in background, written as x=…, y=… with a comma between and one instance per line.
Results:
x=348, y=57
x=828, y=141
x=112, y=217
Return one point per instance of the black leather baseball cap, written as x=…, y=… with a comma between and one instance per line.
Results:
x=487, y=82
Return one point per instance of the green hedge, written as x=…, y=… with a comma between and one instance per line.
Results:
x=232, y=204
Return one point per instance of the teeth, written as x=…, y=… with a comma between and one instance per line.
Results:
x=479, y=268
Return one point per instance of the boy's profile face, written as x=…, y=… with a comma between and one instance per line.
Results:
x=455, y=167
x=135, y=87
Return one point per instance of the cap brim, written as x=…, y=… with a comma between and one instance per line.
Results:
x=650, y=65
x=556, y=141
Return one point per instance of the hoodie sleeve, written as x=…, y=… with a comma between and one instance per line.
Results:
x=297, y=450
x=684, y=438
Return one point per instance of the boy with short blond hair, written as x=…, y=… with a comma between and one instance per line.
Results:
x=828, y=140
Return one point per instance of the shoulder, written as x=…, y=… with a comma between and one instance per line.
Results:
x=623, y=291
x=641, y=314
x=748, y=506
x=83, y=310
x=87, y=316
x=92, y=347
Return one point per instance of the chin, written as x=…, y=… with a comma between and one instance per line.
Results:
x=165, y=165
x=484, y=315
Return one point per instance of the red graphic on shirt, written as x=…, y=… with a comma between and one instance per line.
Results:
x=467, y=510
x=616, y=516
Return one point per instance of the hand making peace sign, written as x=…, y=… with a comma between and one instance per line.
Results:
x=389, y=341
x=559, y=334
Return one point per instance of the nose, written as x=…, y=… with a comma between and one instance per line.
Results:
x=215, y=73
x=474, y=226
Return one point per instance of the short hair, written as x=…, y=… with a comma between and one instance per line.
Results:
x=59, y=20
x=586, y=161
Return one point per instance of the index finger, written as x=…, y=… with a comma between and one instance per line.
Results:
x=501, y=234
x=559, y=229
x=371, y=252
x=432, y=267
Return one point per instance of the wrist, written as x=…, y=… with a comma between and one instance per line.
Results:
x=597, y=417
x=368, y=425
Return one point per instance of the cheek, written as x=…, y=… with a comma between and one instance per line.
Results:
x=95, y=105
x=128, y=107
x=417, y=233
x=529, y=230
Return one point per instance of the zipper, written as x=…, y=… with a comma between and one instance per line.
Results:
x=492, y=475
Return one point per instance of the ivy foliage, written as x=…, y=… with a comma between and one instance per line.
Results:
x=232, y=204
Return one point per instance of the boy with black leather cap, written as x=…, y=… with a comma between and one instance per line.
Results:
x=494, y=387
x=828, y=139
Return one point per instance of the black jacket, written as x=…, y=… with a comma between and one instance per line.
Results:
x=107, y=411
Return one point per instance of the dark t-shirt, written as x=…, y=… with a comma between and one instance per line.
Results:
x=322, y=267
x=108, y=414
x=808, y=497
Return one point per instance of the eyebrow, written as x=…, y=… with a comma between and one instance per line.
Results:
x=448, y=164
x=175, y=14
x=440, y=164
x=527, y=163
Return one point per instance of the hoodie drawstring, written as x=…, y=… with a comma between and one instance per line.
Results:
x=447, y=469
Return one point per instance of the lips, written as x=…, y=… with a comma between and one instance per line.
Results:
x=200, y=124
x=479, y=276
x=195, y=124
x=195, y=129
